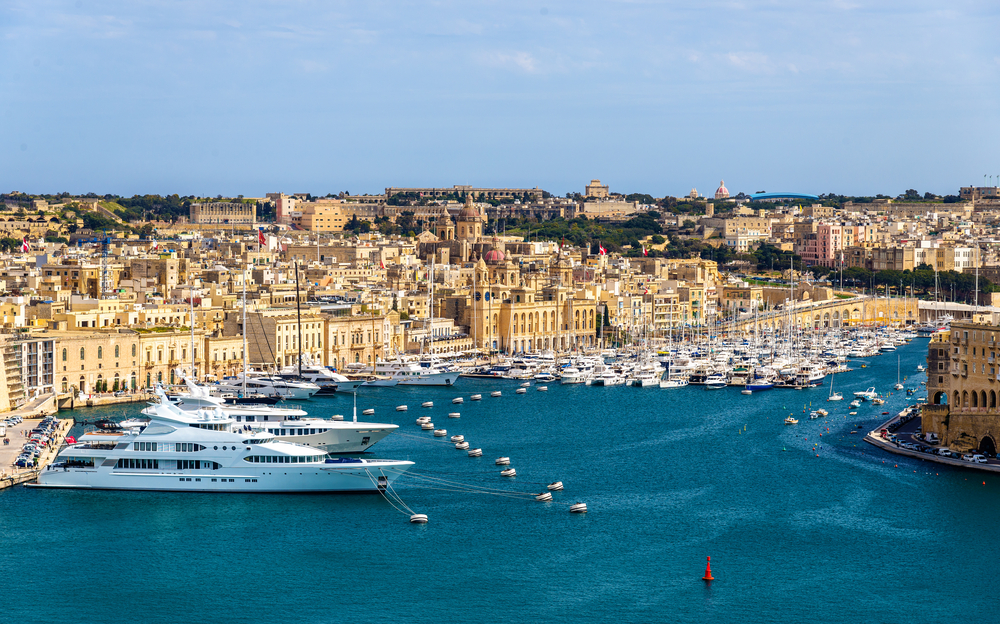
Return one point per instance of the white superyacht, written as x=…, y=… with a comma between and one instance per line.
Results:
x=290, y=425
x=206, y=451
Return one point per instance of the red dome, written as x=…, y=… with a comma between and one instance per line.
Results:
x=493, y=256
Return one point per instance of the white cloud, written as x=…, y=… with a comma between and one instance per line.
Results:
x=311, y=67
x=522, y=61
x=750, y=61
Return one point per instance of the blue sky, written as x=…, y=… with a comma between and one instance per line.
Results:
x=207, y=98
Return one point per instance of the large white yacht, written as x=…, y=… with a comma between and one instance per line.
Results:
x=291, y=425
x=269, y=386
x=411, y=374
x=206, y=451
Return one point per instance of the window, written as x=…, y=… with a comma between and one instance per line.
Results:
x=141, y=464
x=144, y=446
x=117, y=353
x=83, y=353
x=100, y=352
x=64, y=355
x=133, y=350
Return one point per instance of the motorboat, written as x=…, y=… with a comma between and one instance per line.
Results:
x=760, y=383
x=645, y=377
x=606, y=376
x=328, y=380
x=207, y=451
x=866, y=395
x=268, y=385
x=412, y=373
x=716, y=381
x=791, y=421
x=573, y=375
x=856, y=403
x=673, y=382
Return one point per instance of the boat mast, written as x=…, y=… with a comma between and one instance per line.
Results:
x=298, y=313
x=430, y=312
x=194, y=372
x=244, y=332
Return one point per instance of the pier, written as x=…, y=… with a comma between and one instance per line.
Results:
x=876, y=440
x=32, y=413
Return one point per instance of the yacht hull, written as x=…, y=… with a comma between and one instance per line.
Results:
x=326, y=478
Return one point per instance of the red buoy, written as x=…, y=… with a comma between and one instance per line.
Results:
x=708, y=571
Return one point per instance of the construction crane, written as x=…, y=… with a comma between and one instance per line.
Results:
x=105, y=243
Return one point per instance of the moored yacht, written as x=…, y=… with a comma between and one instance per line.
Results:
x=328, y=380
x=291, y=425
x=268, y=385
x=207, y=451
x=412, y=374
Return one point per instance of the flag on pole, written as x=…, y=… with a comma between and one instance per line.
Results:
x=154, y=245
x=261, y=239
x=24, y=245
x=602, y=251
x=644, y=251
x=381, y=264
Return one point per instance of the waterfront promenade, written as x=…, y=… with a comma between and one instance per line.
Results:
x=908, y=434
x=11, y=475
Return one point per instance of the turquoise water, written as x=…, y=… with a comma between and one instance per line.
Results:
x=669, y=477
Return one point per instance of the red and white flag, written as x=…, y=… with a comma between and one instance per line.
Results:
x=602, y=251
x=24, y=245
x=644, y=252
x=260, y=236
x=154, y=245
x=381, y=264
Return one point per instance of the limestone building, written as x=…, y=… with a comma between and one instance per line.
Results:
x=962, y=387
x=223, y=213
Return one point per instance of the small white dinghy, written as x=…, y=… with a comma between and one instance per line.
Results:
x=458, y=438
x=476, y=397
x=401, y=408
x=418, y=518
x=542, y=388
x=427, y=426
x=477, y=452
x=503, y=461
x=578, y=508
x=337, y=417
x=427, y=404
x=462, y=446
x=526, y=384
x=423, y=419
x=454, y=415
x=368, y=412
x=522, y=391
x=495, y=393
x=543, y=497
x=458, y=400
x=556, y=487
x=510, y=472
x=746, y=392
x=440, y=433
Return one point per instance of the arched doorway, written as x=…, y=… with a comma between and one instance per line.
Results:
x=940, y=398
x=987, y=446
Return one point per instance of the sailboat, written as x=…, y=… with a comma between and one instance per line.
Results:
x=834, y=396
x=898, y=386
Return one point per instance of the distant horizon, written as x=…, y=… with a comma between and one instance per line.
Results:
x=707, y=194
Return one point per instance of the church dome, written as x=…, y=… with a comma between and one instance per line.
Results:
x=494, y=256
x=469, y=211
x=722, y=192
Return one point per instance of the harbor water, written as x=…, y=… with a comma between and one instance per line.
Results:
x=839, y=532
